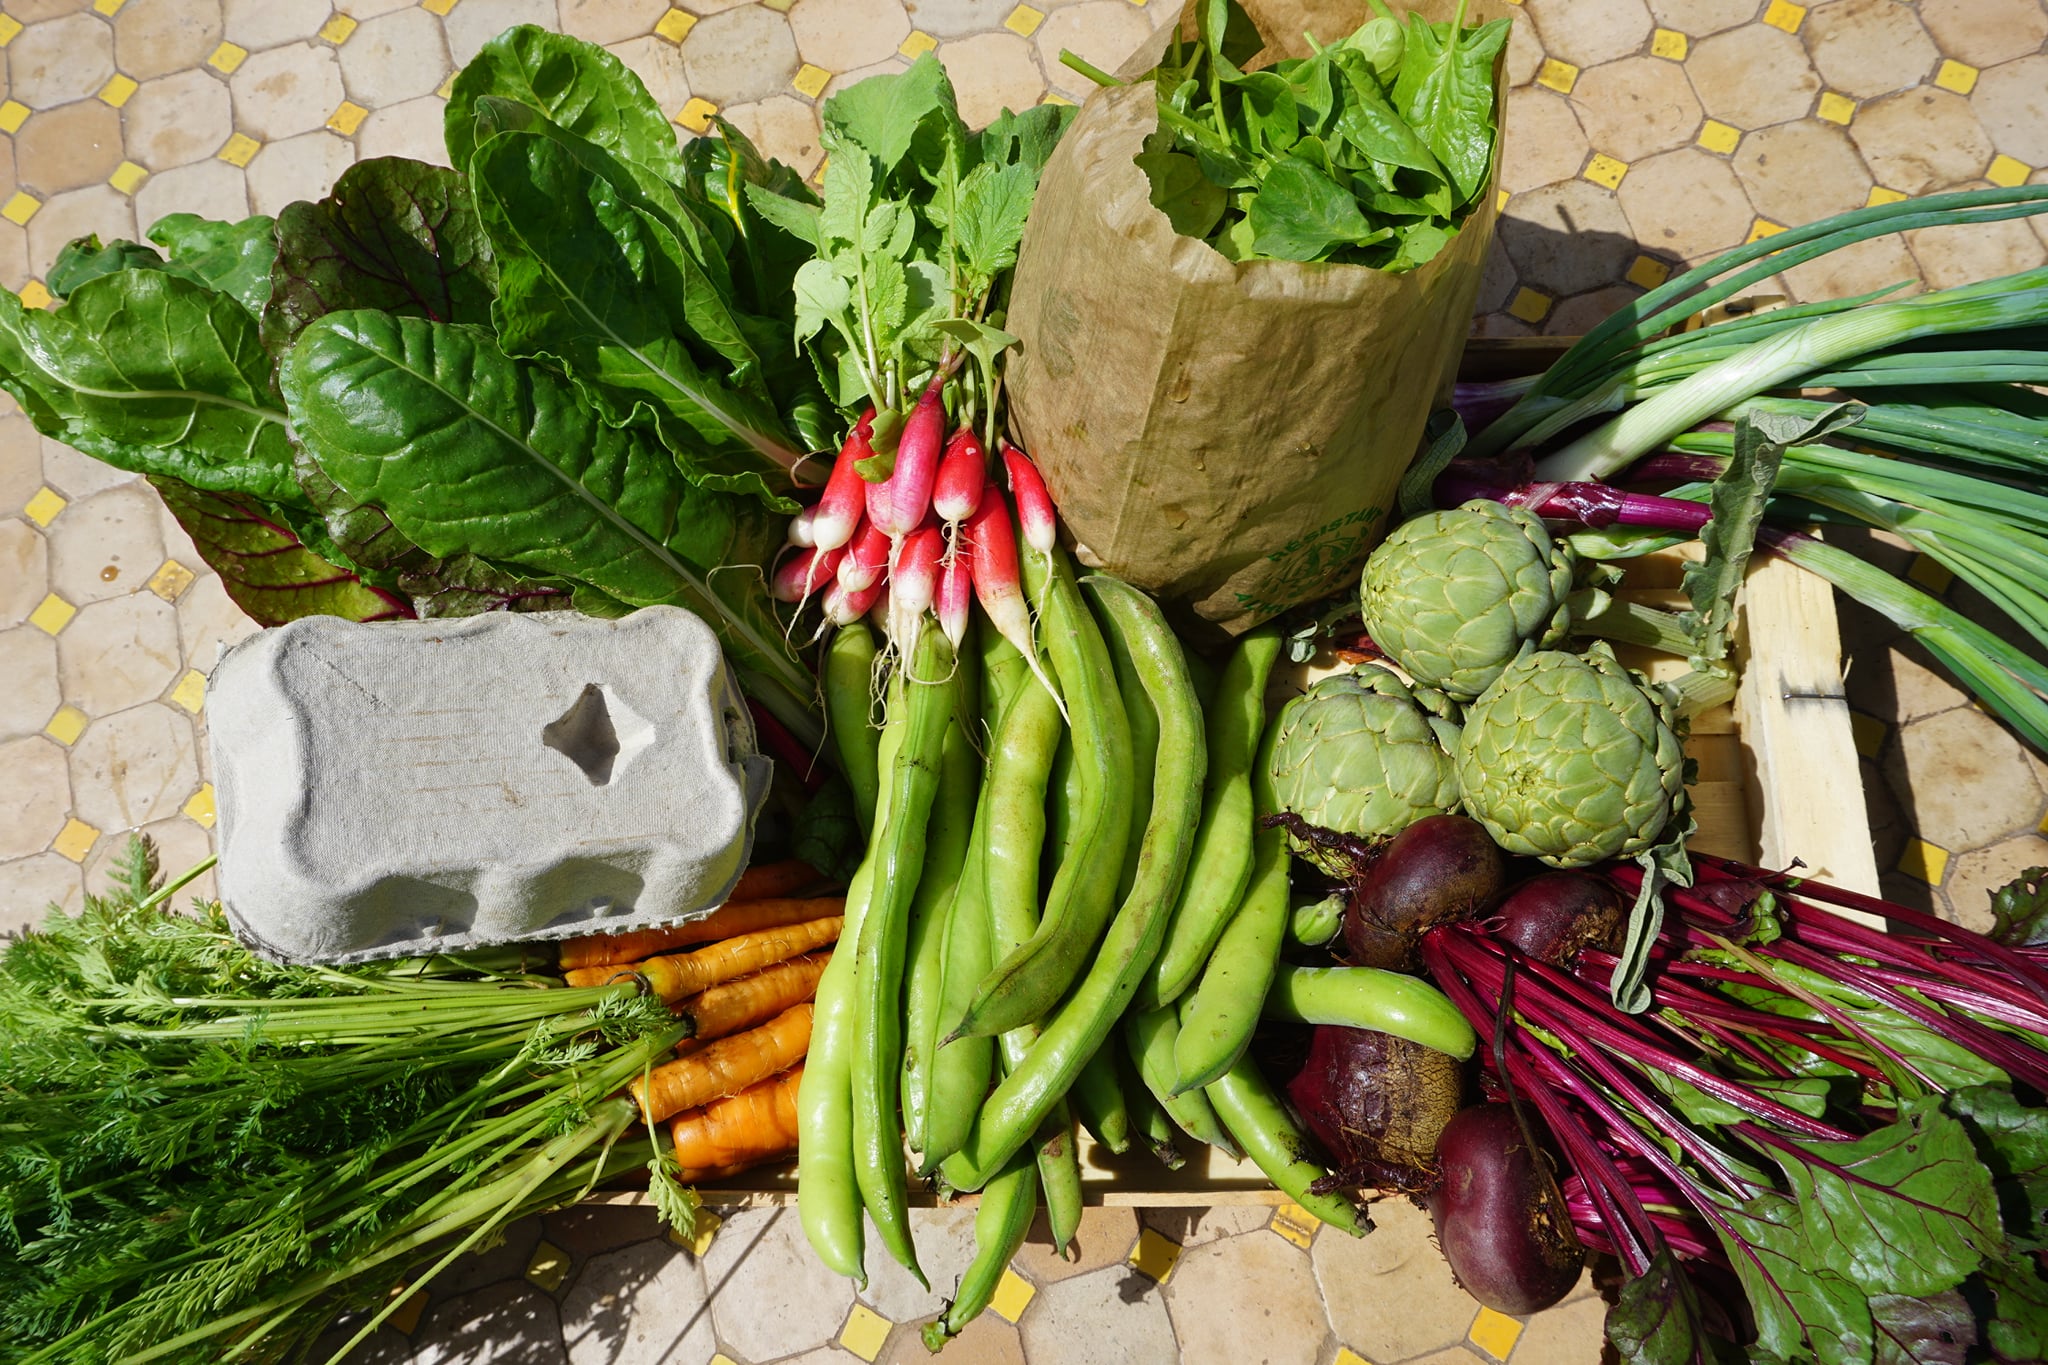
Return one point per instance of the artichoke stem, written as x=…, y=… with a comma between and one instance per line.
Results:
x=1603, y=616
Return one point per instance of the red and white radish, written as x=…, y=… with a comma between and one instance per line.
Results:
x=867, y=559
x=897, y=505
x=914, y=583
x=992, y=559
x=802, y=529
x=839, y=509
x=843, y=608
x=962, y=472
x=955, y=595
x=1034, y=505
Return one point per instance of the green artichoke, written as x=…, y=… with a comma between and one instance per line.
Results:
x=1571, y=758
x=1453, y=597
x=1364, y=754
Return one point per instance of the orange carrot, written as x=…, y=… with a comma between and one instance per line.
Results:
x=725, y=1067
x=747, y=1001
x=765, y=881
x=734, y=917
x=727, y=1136
x=675, y=976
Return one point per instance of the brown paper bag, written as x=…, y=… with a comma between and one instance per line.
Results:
x=1228, y=436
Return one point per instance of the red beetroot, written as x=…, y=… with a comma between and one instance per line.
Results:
x=1555, y=916
x=1377, y=1104
x=1501, y=1220
x=1439, y=869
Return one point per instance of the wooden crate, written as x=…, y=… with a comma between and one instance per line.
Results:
x=1777, y=780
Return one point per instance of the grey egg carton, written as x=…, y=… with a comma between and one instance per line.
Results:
x=431, y=786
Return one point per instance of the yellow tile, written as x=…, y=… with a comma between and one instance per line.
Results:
x=13, y=113
x=339, y=29
x=1296, y=1224
x=1024, y=21
x=227, y=57
x=1154, y=1255
x=1605, y=170
x=347, y=117
x=35, y=294
x=199, y=806
x=1052, y=98
x=447, y=85
x=170, y=580
x=696, y=115
x=675, y=25
x=1716, y=136
x=1924, y=861
x=547, y=1267
x=128, y=177
x=1557, y=75
x=810, y=80
x=1869, y=733
x=1957, y=76
x=42, y=509
x=75, y=840
x=1500, y=201
x=1930, y=574
x=52, y=614
x=1880, y=195
x=9, y=26
x=1669, y=44
x=721, y=1358
x=1530, y=305
x=406, y=1317
x=865, y=1332
x=20, y=208
x=1013, y=1295
x=1647, y=272
x=917, y=44
x=779, y=6
x=238, y=149
x=117, y=89
x=701, y=1234
x=108, y=6
x=1786, y=15
x=190, y=692
x=440, y=7
x=1345, y=1355
x=818, y=176
x=1494, y=1333
x=2008, y=172
x=67, y=725
x=1762, y=228
x=1836, y=108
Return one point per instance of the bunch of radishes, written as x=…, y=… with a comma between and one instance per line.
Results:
x=933, y=535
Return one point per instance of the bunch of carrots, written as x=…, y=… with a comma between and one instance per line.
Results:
x=744, y=976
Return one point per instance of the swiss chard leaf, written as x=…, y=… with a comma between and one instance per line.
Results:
x=1445, y=92
x=1656, y=1318
x=590, y=276
x=156, y=374
x=467, y=586
x=88, y=258
x=393, y=234
x=2020, y=910
x=473, y=452
x=265, y=569
x=234, y=258
x=577, y=85
x=1938, y=1329
x=2012, y=1142
x=1796, y=1306
x=2019, y=1332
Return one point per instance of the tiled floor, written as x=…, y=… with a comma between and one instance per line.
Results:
x=1642, y=134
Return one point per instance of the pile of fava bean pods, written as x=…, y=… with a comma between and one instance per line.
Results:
x=978, y=1012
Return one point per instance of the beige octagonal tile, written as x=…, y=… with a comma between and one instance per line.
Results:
x=861, y=73
x=209, y=188
x=517, y=1320
x=945, y=1245
x=1581, y=313
x=1867, y=48
x=161, y=36
x=1568, y=237
x=1390, y=1295
x=1496, y=281
x=180, y=844
x=35, y=11
x=609, y=21
x=957, y=18
x=659, y=65
x=24, y=571
x=1951, y=256
x=119, y=653
x=838, y=34
x=1189, y=1228
x=783, y=127
x=1699, y=18
x=1525, y=52
x=400, y=56
x=473, y=23
x=741, y=55
x=28, y=680
x=1103, y=32
x=106, y=545
x=370, y=9
x=1636, y=107
x=1113, y=1316
x=1544, y=140
x=1589, y=32
x=29, y=886
x=412, y=129
x=1569, y=1334
x=209, y=621
x=774, y=1296
x=1104, y=1237
x=1973, y=877
x=1969, y=784
x=178, y=119
x=258, y=24
x=286, y=91
x=60, y=60
x=647, y=1301
x=35, y=800
x=1985, y=32
x=302, y=167
x=1752, y=77
x=992, y=72
x=66, y=148
x=2011, y=101
x=21, y=463
x=1797, y=172
x=98, y=209
x=988, y=1340
x=1873, y=264
x=1247, y=1299
x=78, y=475
x=133, y=768
x=1921, y=139
x=14, y=271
